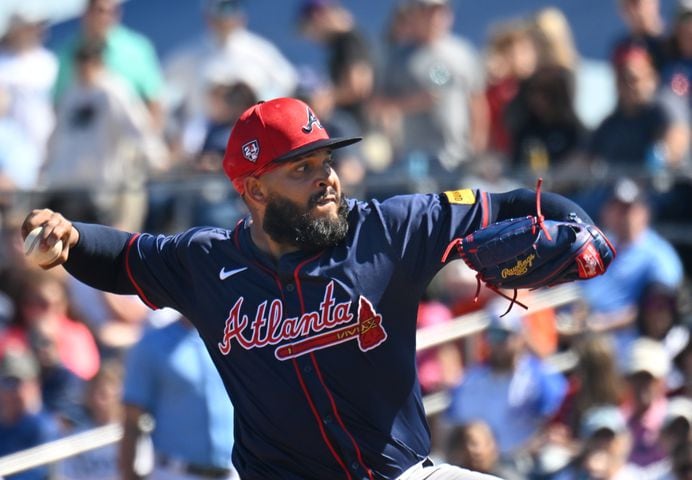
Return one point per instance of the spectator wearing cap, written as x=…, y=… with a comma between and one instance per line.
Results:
x=228, y=52
x=23, y=423
x=645, y=130
x=644, y=258
x=606, y=444
x=647, y=366
x=436, y=83
x=513, y=391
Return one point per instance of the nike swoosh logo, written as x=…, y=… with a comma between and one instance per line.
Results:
x=223, y=274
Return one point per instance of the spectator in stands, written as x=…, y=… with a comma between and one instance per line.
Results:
x=439, y=368
x=61, y=389
x=27, y=73
x=436, y=83
x=644, y=258
x=116, y=321
x=193, y=435
x=473, y=446
x=659, y=317
x=227, y=47
x=43, y=300
x=511, y=57
x=676, y=74
x=19, y=158
x=682, y=376
x=605, y=449
x=226, y=100
x=645, y=28
x=513, y=391
x=676, y=432
x=595, y=381
x=102, y=406
x=594, y=83
x=644, y=130
x=648, y=365
x=349, y=57
x=23, y=423
x=682, y=462
x=544, y=128
x=104, y=145
x=128, y=54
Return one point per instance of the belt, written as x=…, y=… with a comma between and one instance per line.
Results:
x=203, y=471
x=414, y=469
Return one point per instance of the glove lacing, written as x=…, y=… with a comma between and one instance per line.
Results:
x=458, y=243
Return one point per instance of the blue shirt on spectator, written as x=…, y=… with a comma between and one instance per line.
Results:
x=514, y=404
x=29, y=431
x=169, y=374
x=650, y=258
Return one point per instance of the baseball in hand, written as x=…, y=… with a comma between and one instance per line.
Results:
x=34, y=253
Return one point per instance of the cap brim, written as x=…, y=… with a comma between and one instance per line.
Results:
x=332, y=143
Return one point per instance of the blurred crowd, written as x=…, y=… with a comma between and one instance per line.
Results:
x=103, y=130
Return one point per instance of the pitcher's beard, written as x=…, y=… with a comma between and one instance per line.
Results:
x=289, y=223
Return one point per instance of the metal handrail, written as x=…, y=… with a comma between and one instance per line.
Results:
x=427, y=337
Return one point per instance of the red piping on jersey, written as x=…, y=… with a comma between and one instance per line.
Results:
x=318, y=420
x=236, y=231
x=485, y=208
x=299, y=290
x=140, y=292
x=338, y=417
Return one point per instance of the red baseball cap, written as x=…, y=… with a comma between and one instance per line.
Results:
x=273, y=132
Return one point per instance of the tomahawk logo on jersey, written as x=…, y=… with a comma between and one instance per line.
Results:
x=308, y=334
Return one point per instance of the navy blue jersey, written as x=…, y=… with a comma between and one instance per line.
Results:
x=317, y=350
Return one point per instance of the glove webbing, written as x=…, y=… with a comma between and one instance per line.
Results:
x=458, y=243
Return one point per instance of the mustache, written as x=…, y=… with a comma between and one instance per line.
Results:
x=319, y=196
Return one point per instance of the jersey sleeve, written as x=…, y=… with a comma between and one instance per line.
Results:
x=159, y=269
x=420, y=227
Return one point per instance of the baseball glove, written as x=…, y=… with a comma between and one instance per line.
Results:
x=531, y=252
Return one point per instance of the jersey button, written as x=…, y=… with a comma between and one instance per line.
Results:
x=290, y=287
x=354, y=466
x=327, y=419
x=307, y=368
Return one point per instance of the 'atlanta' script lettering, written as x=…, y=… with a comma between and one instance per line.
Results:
x=268, y=327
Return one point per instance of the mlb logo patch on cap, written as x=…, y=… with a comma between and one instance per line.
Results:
x=251, y=151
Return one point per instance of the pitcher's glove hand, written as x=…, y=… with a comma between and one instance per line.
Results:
x=531, y=252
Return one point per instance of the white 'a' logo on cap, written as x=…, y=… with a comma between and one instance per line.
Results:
x=312, y=120
x=251, y=150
